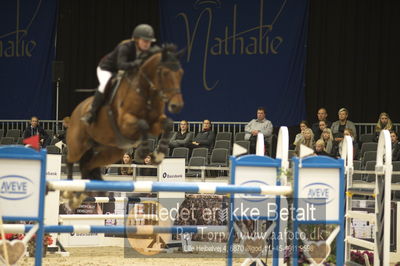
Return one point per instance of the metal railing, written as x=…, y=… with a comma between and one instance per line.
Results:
x=194, y=126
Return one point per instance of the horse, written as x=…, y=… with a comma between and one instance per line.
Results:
x=135, y=109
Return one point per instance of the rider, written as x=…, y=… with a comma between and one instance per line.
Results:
x=121, y=58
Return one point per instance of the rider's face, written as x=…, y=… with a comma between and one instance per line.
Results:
x=143, y=45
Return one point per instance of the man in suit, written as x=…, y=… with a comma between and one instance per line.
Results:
x=36, y=129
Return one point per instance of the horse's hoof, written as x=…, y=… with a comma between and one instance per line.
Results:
x=77, y=200
x=158, y=157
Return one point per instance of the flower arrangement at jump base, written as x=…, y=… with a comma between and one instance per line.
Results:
x=47, y=240
x=359, y=257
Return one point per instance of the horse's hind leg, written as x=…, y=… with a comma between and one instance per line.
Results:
x=162, y=149
x=144, y=148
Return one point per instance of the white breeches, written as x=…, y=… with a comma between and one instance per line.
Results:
x=103, y=77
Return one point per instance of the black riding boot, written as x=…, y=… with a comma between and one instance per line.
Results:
x=91, y=116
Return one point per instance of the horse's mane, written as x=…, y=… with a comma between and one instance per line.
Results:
x=169, y=56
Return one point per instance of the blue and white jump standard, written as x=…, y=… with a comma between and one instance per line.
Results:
x=23, y=186
x=319, y=183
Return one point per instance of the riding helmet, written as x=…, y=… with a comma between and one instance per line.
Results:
x=144, y=31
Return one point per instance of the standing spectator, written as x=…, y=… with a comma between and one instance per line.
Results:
x=255, y=126
x=307, y=140
x=384, y=122
x=395, y=146
x=303, y=125
x=36, y=129
x=322, y=115
x=339, y=126
x=327, y=137
x=182, y=138
x=205, y=138
x=126, y=159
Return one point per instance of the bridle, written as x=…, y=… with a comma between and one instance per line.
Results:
x=162, y=92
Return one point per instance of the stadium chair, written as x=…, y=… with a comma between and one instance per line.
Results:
x=224, y=136
x=195, y=161
x=50, y=132
x=14, y=133
x=370, y=166
x=181, y=152
x=368, y=156
x=225, y=144
x=239, y=136
x=367, y=138
x=7, y=141
x=200, y=152
x=396, y=179
x=219, y=157
x=357, y=166
x=52, y=149
x=368, y=146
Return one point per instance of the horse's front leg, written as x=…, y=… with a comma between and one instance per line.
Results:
x=162, y=149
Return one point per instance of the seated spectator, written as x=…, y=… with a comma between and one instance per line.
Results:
x=322, y=126
x=337, y=150
x=395, y=146
x=36, y=129
x=182, y=138
x=303, y=125
x=126, y=159
x=205, y=138
x=255, y=126
x=384, y=122
x=320, y=148
x=339, y=126
x=327, y=137
x=322, y=115
x=148, y=171
x=307, y=140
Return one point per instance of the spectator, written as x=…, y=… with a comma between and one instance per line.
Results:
x=384, y=122
x=339, y=126
x=303, y=125
x=338, y=148
x=148, y=171
x=255, y=126
x=320, y=148
x=322, y=126
x=205, y=138
x=36, y=129
x=182, y=138
x=307, y=140
x=322, y=115
x=395, y=146
x=126, y=159
x=327, y=137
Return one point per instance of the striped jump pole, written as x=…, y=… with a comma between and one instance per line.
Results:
x=107, y=216
x=138, y=230
x=118, y=199
x=149, y=186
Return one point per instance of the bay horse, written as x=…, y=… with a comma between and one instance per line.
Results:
x=135, y=109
